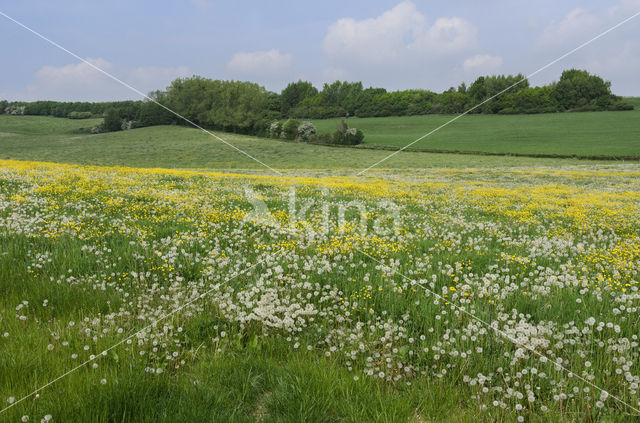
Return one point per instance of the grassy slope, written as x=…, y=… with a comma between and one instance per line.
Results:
x=594, y=133
x=52, y=139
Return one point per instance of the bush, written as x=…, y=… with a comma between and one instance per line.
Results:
x=347, y=136
x=79, y=115
x=14, y=109
x=290, y=129
x=151, y=114
x=307, y=132
x=261, y=128
x=275, y=129
x=112, y=121
x=621, y=105
x=353, y=136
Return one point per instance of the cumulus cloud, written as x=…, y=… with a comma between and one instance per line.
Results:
x=625, y=9
x=399, y=40
x=445, y=36
x=574, y=27
x=400, y=31
x=81, y=82
x=482, y=63
x=269, y=63
x=615, y=56
x=373, y=40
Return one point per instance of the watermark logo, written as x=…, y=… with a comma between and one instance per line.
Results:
x=321, y=215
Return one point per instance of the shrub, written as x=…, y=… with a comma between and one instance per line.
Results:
x=620, y=105
x=261, y=128
x=353, y=136
x=347, y=136
x=151, y=114
x=275, y=129
x=112, y=121
x=79, y=115
x=307, y=132
x=14, y=109
x=290, y=129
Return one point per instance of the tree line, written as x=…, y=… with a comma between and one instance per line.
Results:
x=248, y=108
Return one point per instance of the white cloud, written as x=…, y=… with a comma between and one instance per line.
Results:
x=614, y=57
x=400, y=40
x=625, y=9
x=575, y=27
x=269, y=63
x=395, y=34
x=373, y=40
x=482, y=63
x=446, y=36
x=81, y=82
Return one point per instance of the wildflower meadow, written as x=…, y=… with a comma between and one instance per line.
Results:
x=165, y=295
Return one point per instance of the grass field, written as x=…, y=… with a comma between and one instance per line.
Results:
x=610, y=134
x=53, y=139
x=335, y=323
x=441, y=287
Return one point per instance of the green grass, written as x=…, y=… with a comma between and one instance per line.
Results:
x=75, y=240
x=609, y=134
x=57, y=140
x=181, y=227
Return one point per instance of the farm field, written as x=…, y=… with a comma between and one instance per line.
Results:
x=56, y=140
x=459, y=294
x=604, y=134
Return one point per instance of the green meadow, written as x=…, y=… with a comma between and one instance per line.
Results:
x=600, y=134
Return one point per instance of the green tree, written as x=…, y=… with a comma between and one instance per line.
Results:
x=112, y=121
x=294, y=94
x=486, y=87
x=290, y=129
x=577, y=88
x=228, y=105
x=150, y=113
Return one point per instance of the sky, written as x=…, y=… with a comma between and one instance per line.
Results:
x=391, y=44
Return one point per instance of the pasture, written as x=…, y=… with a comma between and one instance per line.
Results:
x=57, y=140
x=597, y=134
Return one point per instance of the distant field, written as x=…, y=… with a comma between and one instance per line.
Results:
x=54, y=140
x=612, y=134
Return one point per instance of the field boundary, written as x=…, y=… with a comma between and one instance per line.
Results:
x=366, y=146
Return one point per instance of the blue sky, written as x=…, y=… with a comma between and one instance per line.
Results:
x=392, y=44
